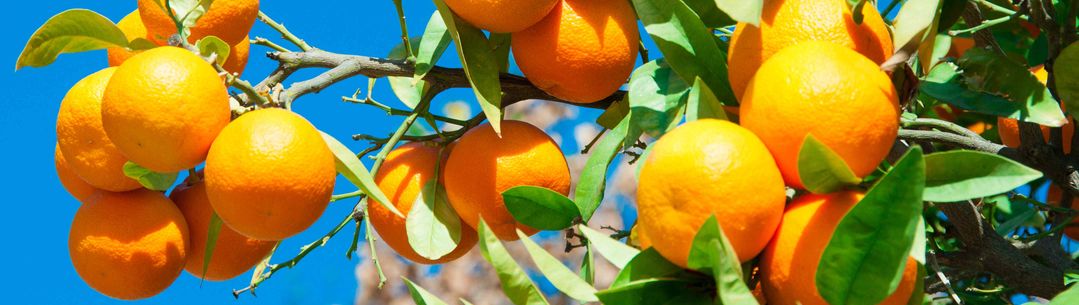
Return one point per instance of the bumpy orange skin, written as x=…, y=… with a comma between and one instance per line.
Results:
x=238, y=55
x=270, y=174
x=789, y=22
x=74, y=185
x=82, y=136
x=582, y=52
x=233, y=254
x=744, y=189
x=402, y=177
x=229, y=20
x=1009, y=128
x=482, y=166
x=164, y=107
x=829, y=91
x=789, y=264
x=128, y=245
x=132, y=27
x=502, y=16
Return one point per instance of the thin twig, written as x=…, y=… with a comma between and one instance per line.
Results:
x=284, y=32
x=269, y=44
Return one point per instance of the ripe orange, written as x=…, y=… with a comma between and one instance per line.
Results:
x=164, y=107
x=71, y=181
x=132, y=27
x=269, y=175
x=582, y=52
x=82, y=138
x=788, y=22
x=831, y=92
x=128, y=245
x=404, y=174
x=789, y=264
x=233, y=253
x=501, y=16
x=744, y=190
x=637, y=237
x=960, y=45
x=229, y=20
x=238, y=55
x=1009, y=128
x=482, y=165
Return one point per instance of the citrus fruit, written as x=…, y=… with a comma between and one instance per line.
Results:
x=502, y=16
x=789, y=264
x=74, y=185
x=164, y=107
x=582, y=52
x=132, y=27
x=638, y=238
x=828, y=91
x=229, y=20
x=789, y=22
x=269, y=175
x=82, y=138
x=233, y=253
x=238, y=55
x=744, y=189
x=1009, y=128
x=959, y=46
x=129, y=245
x=404, y=174
x=482, y=165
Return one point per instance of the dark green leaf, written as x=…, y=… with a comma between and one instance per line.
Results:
x=211, y=45
x=432, y=227
x=433, y=44
x=864, y=260
x=1067, y=77
x=1011, y=224
x=645, y=292
x=350, y=166
x=710, y=14
x=856, y=7
x=645, y=265
x=617, y=253
x=515, y=283
x=540, y=207
x=421, y=296
x=149, y=179
x=479, y=62
x=989, y=72
x=72, y=31
x=821, y=170
x=139, y=44
x=614, y=114
x=966, y=174
x=656, y=98
x=593, y=178
x=946, y=84
x=211, y=242
x=561, y=277
x=712, y=252
x=500, y=44
x=702, y=104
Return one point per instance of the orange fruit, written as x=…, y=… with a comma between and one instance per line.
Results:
x=829, y=91
x=582, y=52
x=82, y=138
x=959, y=46
x=129, y=245
x=404, y=174
x=789, y=22
x=502, y=16
x=482, y=165
x=270, y=175
x=233, y=253
x=744, y=189
x=238, y=55
x=132, y=27
x=1009, y=128
x=229, y=20
x=164, y=107
x=638, y=238
x=71, y=181
x=789, y=265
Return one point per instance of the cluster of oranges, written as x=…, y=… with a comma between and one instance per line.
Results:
x=268, y=174
x=808, y=69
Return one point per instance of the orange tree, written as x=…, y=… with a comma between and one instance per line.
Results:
x=790, y=151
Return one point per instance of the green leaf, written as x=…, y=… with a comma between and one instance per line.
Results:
x=748, y=11
x=431, y=47
x=350, y=166
x=211, y=242
x=617, y=253
x=821, y=170
x=856, y=7
x=72, y=31
x=646, y=292
x=149, y=179
x=540, y=207
x=1070, y=296
x=614, y=114
x=141, y=44
x=866, y=255
x=1067, y=77
x=686, y=43
x=479, y=62
x=187, y=11
x=561, y=277
x=592, y=181
x=645, y=265
x=959, y=175
x=702, y=104
x=515, y=283
x=211, y=45
x=710, y=14
x=946, y=84
x=432, y=226
x=588, y=265
x=500, y=44
x=656, y=97
x=1011, y=224
x=914, y=20
x=407, y=89
x=712, y=252
x=989, y=72
x=926, y=56
x=421, y=296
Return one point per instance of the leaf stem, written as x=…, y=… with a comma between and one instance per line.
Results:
x=404, y=30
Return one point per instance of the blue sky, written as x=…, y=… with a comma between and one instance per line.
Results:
x=39, y=211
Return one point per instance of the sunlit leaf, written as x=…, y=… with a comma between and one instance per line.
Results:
x=561, y=277
x=821, y=170
x=1067, y=77
x=617, y=253
x=540, y=207
x=946, y=84
x=421, y=296
x=350, y=166
x=592, y=181
x=432, y=226
x=211, y=45
x=72, y=31
x=149, y=179
x=211, y=242
x=479, y=62
x=712, y=252
x=435, y=40
x=702, y=104
x=966, y=174
x=515, y=283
